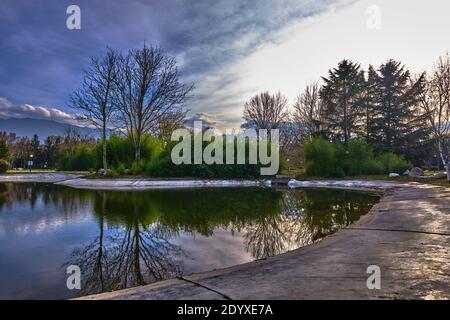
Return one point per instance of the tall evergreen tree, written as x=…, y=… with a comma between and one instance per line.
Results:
x=398, y=122
x=342, y=97
x=35, y=143
x=369, y=117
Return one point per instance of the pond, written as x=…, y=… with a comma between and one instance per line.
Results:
x=122, y=239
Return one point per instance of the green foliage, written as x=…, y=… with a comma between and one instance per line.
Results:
x=121, y=169
x=383, y=108
x=164, y=167
x=393, y=163
x=156, y=160
x=84, y=158
x=4, y=165
x=4, y=150
x=136, y=169
x=320, y=158
x=111, y=173
x=398, y=122
x=120, y=152
x=335, y=159
x=342, y=99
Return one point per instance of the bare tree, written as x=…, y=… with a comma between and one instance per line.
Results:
x=168, y=123
x=148, y=89
x=436, y=103
x=266, y=111
x=21, y=150
x=307, y=111
x=95, y=96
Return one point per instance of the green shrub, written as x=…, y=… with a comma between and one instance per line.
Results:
x=320, y=159
x=135, y=169
x=121, y=169
x=111, y=173
x=4, y=150
x=4, y=165
x=392, y=163
x=357, y=158
x=83, y=159
x=334, y=159
x=120, y=151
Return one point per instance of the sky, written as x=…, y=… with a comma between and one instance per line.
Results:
x=230, y=49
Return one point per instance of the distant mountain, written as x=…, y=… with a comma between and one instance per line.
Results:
x=43, y=128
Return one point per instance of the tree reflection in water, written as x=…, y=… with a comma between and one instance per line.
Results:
x=133, y=253
x=138, y=238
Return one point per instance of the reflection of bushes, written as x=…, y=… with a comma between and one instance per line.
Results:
x=3, y=193
x=272, y=221
x=324, y=211
x=192, y=210
x=306, y=216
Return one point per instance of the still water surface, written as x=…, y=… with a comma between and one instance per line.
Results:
x=121, y=239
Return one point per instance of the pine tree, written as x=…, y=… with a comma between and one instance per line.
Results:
x=369, y=130
x=343, y=97
x=398, y=123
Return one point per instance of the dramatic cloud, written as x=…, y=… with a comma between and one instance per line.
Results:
x=230, y=49
x=9, y=110
x=41, y=61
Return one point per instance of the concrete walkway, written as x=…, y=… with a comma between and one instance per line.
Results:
x=407, y=235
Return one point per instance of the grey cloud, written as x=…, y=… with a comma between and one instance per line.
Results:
x=44, y=60
x=208, y=120
x=10, y=110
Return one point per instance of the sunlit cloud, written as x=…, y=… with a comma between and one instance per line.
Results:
x=10, y=110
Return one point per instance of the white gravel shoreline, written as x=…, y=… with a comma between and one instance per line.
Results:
x=37, y=177
x=351, y=184
x=125, y=184
x=76, y=181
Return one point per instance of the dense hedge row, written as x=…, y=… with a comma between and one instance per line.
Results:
x=321, y=157
x=156, y=161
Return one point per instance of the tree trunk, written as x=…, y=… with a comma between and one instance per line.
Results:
x=137, y=150
x=105, y=163
x=447, y=168
x=444, y=159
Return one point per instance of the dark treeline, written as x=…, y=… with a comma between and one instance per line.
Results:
x=398, y=118
x=380, y=106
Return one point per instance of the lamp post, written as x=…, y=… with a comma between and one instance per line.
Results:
x=30, y=162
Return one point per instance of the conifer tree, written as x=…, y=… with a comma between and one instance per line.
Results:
x=398, y=122
x=342, y=97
